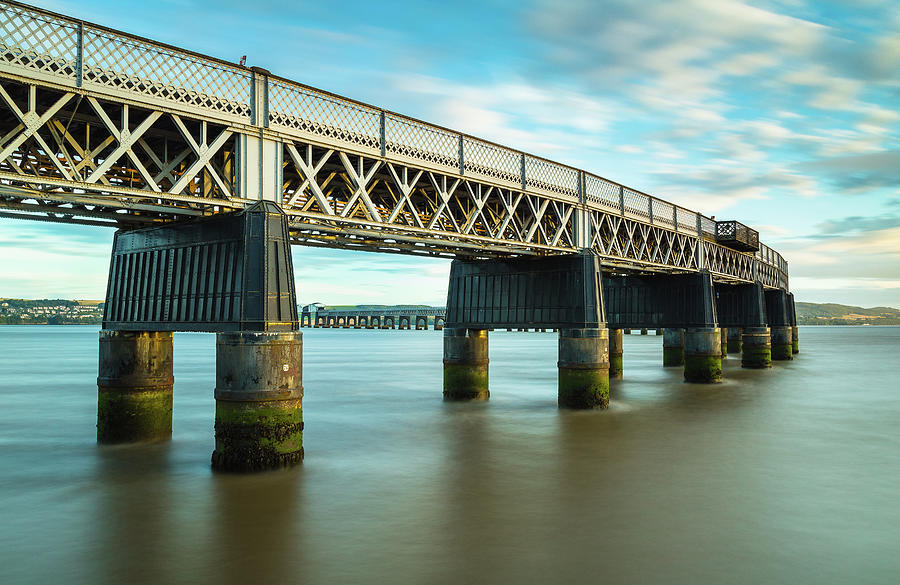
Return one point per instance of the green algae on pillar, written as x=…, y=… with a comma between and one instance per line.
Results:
x=734, y=339
x=724, y=341
x=259, y=400
x=703, y=355
x=757, y=348
x=673, y=347
x=466, y=364
x=583, y=368
x=782, y=343
x=134, y=386
x=616, y=353
x=795, y=339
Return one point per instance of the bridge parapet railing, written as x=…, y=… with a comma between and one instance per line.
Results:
x=601, y=194
x=156, y=71
x=545, y=176
x=323, y=115
x=84, y=54
x=491, y=161
x=40, y=42
x=406, y=138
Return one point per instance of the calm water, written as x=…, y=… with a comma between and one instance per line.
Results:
x=783, y=476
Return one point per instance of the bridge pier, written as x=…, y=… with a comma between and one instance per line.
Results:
x=703, y=355
x=734, y=339
x=757, y=348
x=673, y=347
x=616, y=353
x=259, y=400
x=795, y=339
x=779, y=307
x=782, y=343
x=644, y=331
x=724, y=341
x=421, y=323
x=466, y=364
x=134, y=386
x=583, y=368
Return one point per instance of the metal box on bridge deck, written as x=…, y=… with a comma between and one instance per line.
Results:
x=736, y=235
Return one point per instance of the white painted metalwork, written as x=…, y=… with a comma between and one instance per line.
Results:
x=102, y=127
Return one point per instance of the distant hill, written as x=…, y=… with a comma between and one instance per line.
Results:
x=834, y=314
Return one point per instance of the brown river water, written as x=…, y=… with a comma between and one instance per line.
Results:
x=790, y=475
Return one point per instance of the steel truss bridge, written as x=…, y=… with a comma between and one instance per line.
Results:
x=104, y=128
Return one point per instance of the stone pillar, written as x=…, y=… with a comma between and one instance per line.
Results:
x=703, y=355
x=643, y=332
x=466, y=364
x=673, y=347
x=259, y=400
x=724, y=341
x=659, y=331
x=734, y=339
x=134, y=386
x=795, y=339
x=616, y=351
x=627, y=331
x=757, y=348
x=583, y=368
x=782, y=343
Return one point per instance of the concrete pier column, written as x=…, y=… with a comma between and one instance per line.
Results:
x=795, y=339
x=734, y=339
x=466, y=364
x=259, y=400
x=134, y=386
x=724, y=341
x=584, y=368
x=659, y=331
x=616, y=352
x=673, y=347
x=703, y=355
x=644, y=332
x=757, y=348
x=782, y=343
x=627, y=331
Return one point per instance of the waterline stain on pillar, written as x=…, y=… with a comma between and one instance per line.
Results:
x=616, y=353
x=734, y=339
x=724, y=341
x=673, y=347
x=757, y=348
x=782, y=344
x=795, y=339
x=134, y=385
x=583, y=368
x=466, y=364
x=259, y=400
x=703, y=355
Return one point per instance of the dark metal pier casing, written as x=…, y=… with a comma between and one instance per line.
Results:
x=230, y=272
x=558, y=292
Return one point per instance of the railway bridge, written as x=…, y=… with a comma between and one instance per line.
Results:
x=209, y=171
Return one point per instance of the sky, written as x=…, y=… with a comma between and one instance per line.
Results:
x=782, y=115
